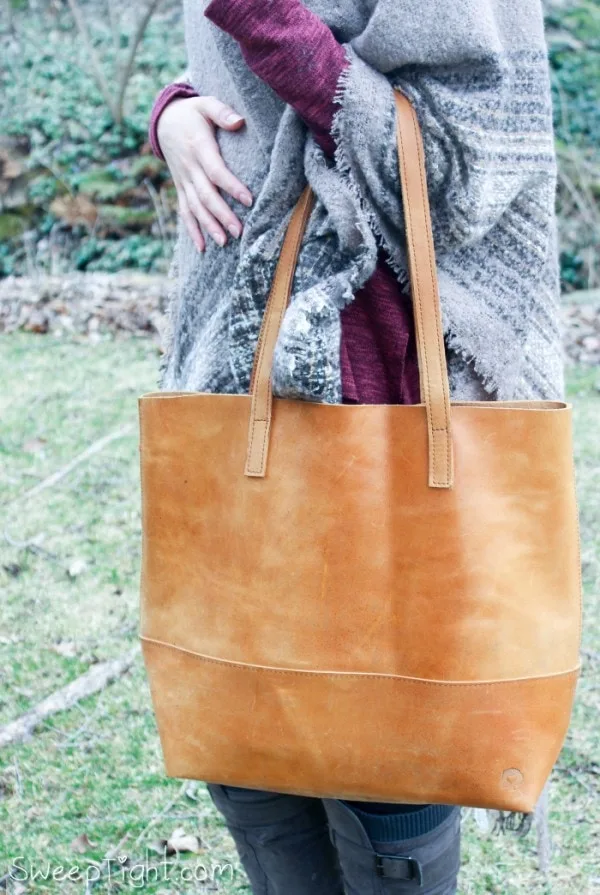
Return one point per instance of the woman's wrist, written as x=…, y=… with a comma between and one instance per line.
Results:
x=177, y=90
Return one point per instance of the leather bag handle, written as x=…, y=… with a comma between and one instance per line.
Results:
x=433, y=372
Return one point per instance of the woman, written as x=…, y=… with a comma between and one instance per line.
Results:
x=315, y=83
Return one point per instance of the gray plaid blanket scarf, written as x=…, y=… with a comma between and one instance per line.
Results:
x=477, y=74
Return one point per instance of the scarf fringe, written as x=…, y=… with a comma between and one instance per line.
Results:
x=515, y=822
x=168, y=333
x=343, y=167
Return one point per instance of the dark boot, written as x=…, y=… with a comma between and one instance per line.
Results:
x=283, y=841
x=424, y=865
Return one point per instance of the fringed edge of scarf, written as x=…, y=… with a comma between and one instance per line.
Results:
x=513, y=822
x=167, y=335
x=344, y=167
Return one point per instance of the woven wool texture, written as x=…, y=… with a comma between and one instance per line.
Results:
x=477, y=74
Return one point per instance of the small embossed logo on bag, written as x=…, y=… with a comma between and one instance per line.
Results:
x=512, y=778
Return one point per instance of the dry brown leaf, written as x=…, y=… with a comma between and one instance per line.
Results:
x=7, y=787
x=33, y=445
x=191, y=790
x=66, y=648
x=81, y=844
x=158, y=845
x=180, y=841
x=10, y=167
x=74, y=210
x=37, y=322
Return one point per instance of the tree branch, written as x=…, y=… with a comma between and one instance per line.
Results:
x=128, y=66
x=95, y=63
x=97, y=678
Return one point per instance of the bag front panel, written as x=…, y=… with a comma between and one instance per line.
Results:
x=350, y=562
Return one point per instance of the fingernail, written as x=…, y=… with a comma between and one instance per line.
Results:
x=232, y=117
x=246, y=198
x=218, y=237
x=234, y=230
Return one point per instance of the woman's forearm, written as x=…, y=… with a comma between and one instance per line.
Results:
x=290, y=49
x=176, y=90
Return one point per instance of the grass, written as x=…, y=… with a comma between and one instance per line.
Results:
x=69, y=567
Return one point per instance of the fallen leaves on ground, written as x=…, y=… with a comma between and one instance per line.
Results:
x=81, y=844
x=65, y=648
x=88, y=306
x=77, y=567
x=179, y=841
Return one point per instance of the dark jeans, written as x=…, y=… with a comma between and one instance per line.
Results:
x=295, y=845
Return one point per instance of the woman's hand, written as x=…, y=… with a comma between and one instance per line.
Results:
x=186, y=133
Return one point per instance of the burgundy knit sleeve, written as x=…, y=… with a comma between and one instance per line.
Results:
x=293, y=51
x=177, y=90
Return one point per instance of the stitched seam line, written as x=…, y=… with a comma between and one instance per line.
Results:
x=287, y=275
x=263, y=328
x=439, y=337
x=414, y=268
x=256, y=420
x=417, y=285
x=244, y=666
x=262, y=341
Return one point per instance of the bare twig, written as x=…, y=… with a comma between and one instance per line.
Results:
x=31, y=546
x=580, y=197
x=88, y=718
x=128, y=66
x=94, y=680
x=9, y=11
x=114, y=103
x=160, y=814
x=94, y=448
x=114, y=25
x=115, y=851
x=571, y=773
x=99, y=75
x=544, y=843
x=158, y=207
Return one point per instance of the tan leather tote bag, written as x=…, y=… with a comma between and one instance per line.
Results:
x=361, y=601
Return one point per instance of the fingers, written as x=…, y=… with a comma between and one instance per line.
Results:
x=218, y=112
x=190, y=222
x=203, y=172
x=219, y=174
x=215, y=205
x=202, y=217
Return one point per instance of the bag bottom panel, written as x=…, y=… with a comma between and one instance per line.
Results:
x=358, y=737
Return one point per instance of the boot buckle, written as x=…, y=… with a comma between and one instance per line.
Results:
x=399, y=867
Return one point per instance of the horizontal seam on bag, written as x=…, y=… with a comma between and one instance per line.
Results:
x=247, y=666
x=538, y=405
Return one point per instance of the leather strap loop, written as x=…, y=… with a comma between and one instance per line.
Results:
x=435, y=392
x=260, y=383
